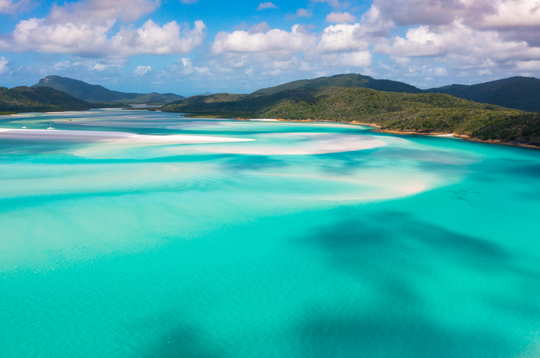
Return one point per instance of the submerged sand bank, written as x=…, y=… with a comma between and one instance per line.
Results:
x=111, y=137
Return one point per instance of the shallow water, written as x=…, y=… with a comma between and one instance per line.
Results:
x=313, y=240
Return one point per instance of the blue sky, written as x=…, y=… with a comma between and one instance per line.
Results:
x=192, y=46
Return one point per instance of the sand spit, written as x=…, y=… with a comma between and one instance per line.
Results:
x=257, y=119
x=111, y=137
x=306, y=144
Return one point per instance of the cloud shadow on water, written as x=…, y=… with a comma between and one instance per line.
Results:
x=321, y=336
x=393, y=253
x=183, y=341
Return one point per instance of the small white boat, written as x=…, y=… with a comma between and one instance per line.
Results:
x=24, y=127
x=50, y=126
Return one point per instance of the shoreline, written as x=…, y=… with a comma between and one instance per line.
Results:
x=465, y=137
x=377, y=128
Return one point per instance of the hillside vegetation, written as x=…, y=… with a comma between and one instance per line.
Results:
x=515, y=92
x=346, y=80
x=41, y=99
x=96, y=93
x=422, y=113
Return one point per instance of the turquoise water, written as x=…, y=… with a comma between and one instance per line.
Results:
x=320, y=240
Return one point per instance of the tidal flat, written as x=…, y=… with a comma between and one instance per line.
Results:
x=155, y=235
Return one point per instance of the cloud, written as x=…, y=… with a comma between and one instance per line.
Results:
x=141, y=70
x=3, y=64
x=185, y=66
x=88, y=64
x=473, y=37
x=340, y=17
x=241, y=26
x=304, y=13
x=528, y=65
x=416, y=41
x=458, y=41
x=99, y=11
x=439, y=71
x=277, y=52
x=342, y=37
x=266, y=5
x=82, y=29
x=336, y=4
x=274, y=41
x=353, y=59
x=420, y=12
x=484, y=37
x=153, y=39
x=100, y=67
x=10, y=6
x=512, y=14
x=262, y=27
x=299, y=13
x=479, y=14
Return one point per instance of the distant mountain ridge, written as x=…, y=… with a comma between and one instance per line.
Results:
x=39, y=99
x=521, y=93
x=345, y=80
x=97, y=93
x=514, y=92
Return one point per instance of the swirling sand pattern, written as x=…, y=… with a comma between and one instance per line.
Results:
x=307, y=241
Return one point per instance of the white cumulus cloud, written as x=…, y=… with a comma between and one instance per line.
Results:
x=82, y=29
x=3, y=64
x=304, y=13
x=273, y=41
x=141, y=70
x=352, y=59
x=10, y=6
x=266, y=5
x=340, y=17
x=333, y=3
x=342, y=37
x=439, y=71
x=528, y=65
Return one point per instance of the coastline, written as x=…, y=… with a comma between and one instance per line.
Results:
x=498, y=142
x=460, y=136
x=377, y=128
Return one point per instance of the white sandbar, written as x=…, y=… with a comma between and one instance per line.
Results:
x=113, y=137
x=443, y=135
x=305, y=144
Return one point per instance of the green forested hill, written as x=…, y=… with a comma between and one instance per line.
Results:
x=515, y=92
x=346, y=80
x=40, y=99
x=425, y=112
x=96, y=93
